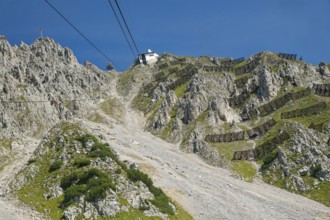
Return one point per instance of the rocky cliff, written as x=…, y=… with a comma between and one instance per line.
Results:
x=72, y=175
x=218, y=108
x=42, y=84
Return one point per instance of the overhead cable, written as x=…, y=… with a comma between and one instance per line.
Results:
x=81, y=34
x=121, y=27
x=122, y=15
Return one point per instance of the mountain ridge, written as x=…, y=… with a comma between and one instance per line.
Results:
x=180, y=100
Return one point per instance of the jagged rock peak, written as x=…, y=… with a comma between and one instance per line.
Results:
x=47, y=46
x=36, y=75
x=44, y=49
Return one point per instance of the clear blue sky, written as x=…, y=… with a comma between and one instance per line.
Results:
x=231, y=28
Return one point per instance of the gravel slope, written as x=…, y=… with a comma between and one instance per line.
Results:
x=204, y=191
x=10, y=208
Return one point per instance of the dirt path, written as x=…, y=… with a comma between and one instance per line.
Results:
x=206, y=192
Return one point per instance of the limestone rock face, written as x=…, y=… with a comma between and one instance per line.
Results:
x=194, y=102
x=269, y=84
x=199, y=147
x=305, y=155
x=220, y=112
x=42, y=84
x=324, y=70
x=162, y=117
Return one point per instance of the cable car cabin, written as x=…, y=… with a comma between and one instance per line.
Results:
x=147, y=58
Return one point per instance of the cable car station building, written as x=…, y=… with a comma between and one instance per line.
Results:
x=147, y=58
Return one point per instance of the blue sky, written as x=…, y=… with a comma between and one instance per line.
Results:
x=232, y=28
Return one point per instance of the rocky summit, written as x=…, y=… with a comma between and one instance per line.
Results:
x=183, y=138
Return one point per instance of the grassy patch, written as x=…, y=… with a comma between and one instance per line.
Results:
x=142, y=103
x=181, y=214
x=201, y=118
x=243, y=63
x=32, y=193
x=166, y=131
x=125, y=81
x=56, y=165
x=228, y=149
x=242, y=75
x=245, y=169
x=181, y=90
x=6, y=143
x=320, y=194
x=131, y=214
x=97, y=118
x=297, y=104
x=114, y=108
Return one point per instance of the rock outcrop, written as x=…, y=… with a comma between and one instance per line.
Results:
x=87, y=179
x=42, y=84
x=302, y=163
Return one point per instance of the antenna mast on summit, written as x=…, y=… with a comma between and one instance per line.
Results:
x=40, y=30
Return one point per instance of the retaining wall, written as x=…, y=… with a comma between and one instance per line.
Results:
x=218, y=68
x=263, y=149
x=288, y=56
x=184, y=75
x=229, y=137
x=261, y=129
x=238, y=100
x=237, y=136
x=322, y=89
x=272, y=106
x=317, y=127
x=311, y=110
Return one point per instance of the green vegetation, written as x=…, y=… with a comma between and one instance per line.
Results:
x=243, y=63
x=132, y=214
x=142, y=103
x=56, y=165
x=82, y=162
x=161, y=201
x=228, y=149
x=269, y=158
x=320, y=193
x=33, y=192
x=201, y=118
x=245, y=169
x=93, y=183
x=86, y=137
x=6, y=143
x=77, y=178
x=125, y=81
x=181, y=90
x=97, y=118
x=114, y=108
x=31, y=161
x=102, y=151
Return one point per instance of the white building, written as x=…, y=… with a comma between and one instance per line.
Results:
x=147, y=58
